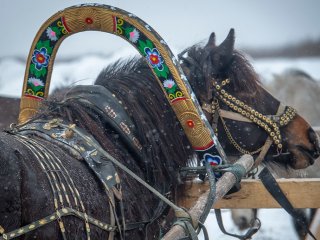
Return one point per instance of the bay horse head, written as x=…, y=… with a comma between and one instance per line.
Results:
x=245, y=116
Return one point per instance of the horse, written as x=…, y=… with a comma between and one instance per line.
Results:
x=285, y=86
x=9, y=108
x=30, y=160
x=239, y=107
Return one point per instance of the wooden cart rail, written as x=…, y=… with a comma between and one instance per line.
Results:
x=302, y=193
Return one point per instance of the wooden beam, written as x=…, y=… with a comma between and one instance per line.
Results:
x=302, y=193
x=225, y=183
x=315, y=226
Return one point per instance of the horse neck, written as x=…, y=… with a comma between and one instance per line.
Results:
x=158, y=129
x=10, y=182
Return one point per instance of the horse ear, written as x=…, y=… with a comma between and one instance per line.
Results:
x=227, y=46
x=223, y=55
x=212, y=41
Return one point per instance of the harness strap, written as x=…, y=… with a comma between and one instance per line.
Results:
x=212, y=192
x=239, y=117
x=247, y=235
x=233, y=116
x=185, y=224
x=104, y=170
x=94, y=144
x=58, y=214
x=111, y=109
x=263, y=152
x=238, y=171
x=268, y=142
x=273, y=188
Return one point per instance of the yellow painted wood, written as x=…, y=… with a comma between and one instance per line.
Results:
x=302, y=193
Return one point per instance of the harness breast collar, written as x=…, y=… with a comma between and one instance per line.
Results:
x=82, y=146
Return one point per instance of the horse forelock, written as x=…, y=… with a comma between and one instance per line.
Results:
x=244, y=81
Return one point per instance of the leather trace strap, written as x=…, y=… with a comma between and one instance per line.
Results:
x=53, y=217
x=245, y=236
x=273, y=188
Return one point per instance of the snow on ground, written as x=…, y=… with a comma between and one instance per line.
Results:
x=276, y=223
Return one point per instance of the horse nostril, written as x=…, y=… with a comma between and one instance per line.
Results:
x=314, y=139
x=243, y=223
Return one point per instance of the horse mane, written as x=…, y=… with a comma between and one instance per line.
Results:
x=134, y=84
x=165, y=146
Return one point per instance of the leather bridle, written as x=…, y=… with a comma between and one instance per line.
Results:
x=241, y=112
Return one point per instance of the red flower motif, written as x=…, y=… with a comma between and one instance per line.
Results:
x=190, y=123
x=40, y=58
x=89, y=20
x=154, y=58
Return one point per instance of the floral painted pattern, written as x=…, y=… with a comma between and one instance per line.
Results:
x=132, y=34
x=35, y=86
x=40, y=58
x=53, y=33
x=151, y=53
x=41, y=55
x=213, y=160
x=35, y=82
x=154, y=58
x=170, y=86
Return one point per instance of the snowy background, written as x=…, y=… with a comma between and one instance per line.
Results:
x=257, y=23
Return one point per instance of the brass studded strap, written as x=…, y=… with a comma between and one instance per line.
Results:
x=270, y=123
x=231, y=139
x=55, y=216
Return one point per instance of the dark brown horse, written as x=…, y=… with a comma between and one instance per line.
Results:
x=9, y=108
x=25, y=163
x=225, y=81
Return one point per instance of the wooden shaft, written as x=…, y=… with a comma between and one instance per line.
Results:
x=225, y=183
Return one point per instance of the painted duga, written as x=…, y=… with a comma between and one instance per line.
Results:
x=41, y=178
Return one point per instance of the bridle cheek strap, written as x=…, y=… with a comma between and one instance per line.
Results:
x=268, y=142
x=238, y=117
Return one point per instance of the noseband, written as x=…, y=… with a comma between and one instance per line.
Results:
x=244, y=113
